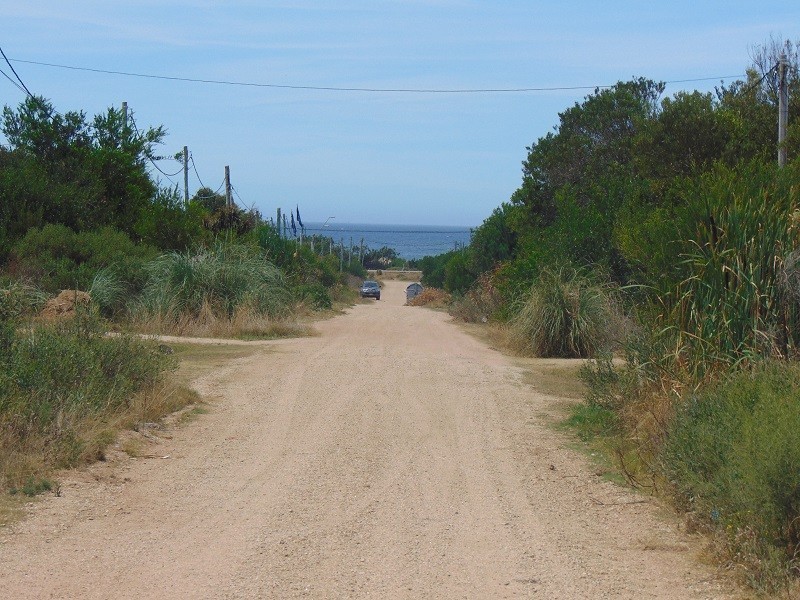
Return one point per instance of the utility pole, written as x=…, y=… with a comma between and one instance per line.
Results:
x=783, y=109
x=186, y=175
x=361, y=253
x=280, y=235
x=228, y=197
x=341, y=255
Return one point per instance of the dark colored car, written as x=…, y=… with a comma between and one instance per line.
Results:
x=370, y=289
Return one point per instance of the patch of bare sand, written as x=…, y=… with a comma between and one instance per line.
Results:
x=394, y=456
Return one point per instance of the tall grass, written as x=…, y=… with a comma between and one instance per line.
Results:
x=108, y=292
x=566, y=313
x=221, y=284
x=706, y=404
x=18, y=298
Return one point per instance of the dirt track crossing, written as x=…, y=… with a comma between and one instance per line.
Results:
x=394, y=456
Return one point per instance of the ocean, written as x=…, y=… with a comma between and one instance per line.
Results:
x=410, y=241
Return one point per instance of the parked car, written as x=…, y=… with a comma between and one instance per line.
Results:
x=370, y=289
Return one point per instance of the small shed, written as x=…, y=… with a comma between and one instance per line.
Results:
x=413, y=291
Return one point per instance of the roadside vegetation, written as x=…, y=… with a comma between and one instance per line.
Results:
x=91, y=242
x=656, y=236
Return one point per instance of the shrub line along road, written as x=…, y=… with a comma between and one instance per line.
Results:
x=394, y=456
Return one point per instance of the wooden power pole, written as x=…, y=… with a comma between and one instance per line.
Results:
x=783, y=109
x=186, y=175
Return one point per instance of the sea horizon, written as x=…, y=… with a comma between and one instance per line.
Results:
x=411, y=242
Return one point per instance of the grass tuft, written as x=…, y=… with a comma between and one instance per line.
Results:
x=566, y=313
x=228, y=290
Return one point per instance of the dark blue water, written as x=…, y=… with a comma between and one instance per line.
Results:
x=410, y=241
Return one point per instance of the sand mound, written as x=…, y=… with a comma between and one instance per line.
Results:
x=63, y=306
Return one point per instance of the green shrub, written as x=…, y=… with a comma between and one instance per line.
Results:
x=315, y=294
x=56, y=257
x=481, y=303
x=602, y=381
x=733, y=455
x=566, y=313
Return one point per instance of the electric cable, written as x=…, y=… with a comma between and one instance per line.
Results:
x=13, y=82
x=351, y=89
x=196, y=172
x=238, y=196
x=150, y=158
x=754, y=85
x=22, y=83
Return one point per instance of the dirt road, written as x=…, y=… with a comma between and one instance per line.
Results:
x=394, y=456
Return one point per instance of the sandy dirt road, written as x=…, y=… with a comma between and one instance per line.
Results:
x=394, y=456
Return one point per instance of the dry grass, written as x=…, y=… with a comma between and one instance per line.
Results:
x=34, y=458
x=432, y=298
x=244, y=324
x=197, y=359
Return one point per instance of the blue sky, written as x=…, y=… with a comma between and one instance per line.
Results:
x=428, y=159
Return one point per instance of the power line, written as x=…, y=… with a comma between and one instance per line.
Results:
x=13, y=82
x=754, y=85
x=194, y=166
x=238, y=196
x=22, y=83
x=203, y=185
x=150, y=158
x=352, y=89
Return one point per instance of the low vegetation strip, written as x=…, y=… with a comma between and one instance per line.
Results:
x=65, y=388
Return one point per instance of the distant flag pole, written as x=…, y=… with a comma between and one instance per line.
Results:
x=300, y=222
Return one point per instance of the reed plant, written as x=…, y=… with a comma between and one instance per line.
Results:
x=731, y=304
x=108, y=292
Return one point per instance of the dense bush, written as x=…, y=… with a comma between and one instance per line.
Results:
x=315, y=294
x=733, y=456
x=57, y=258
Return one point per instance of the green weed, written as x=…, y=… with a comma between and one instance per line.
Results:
x=32, y=487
